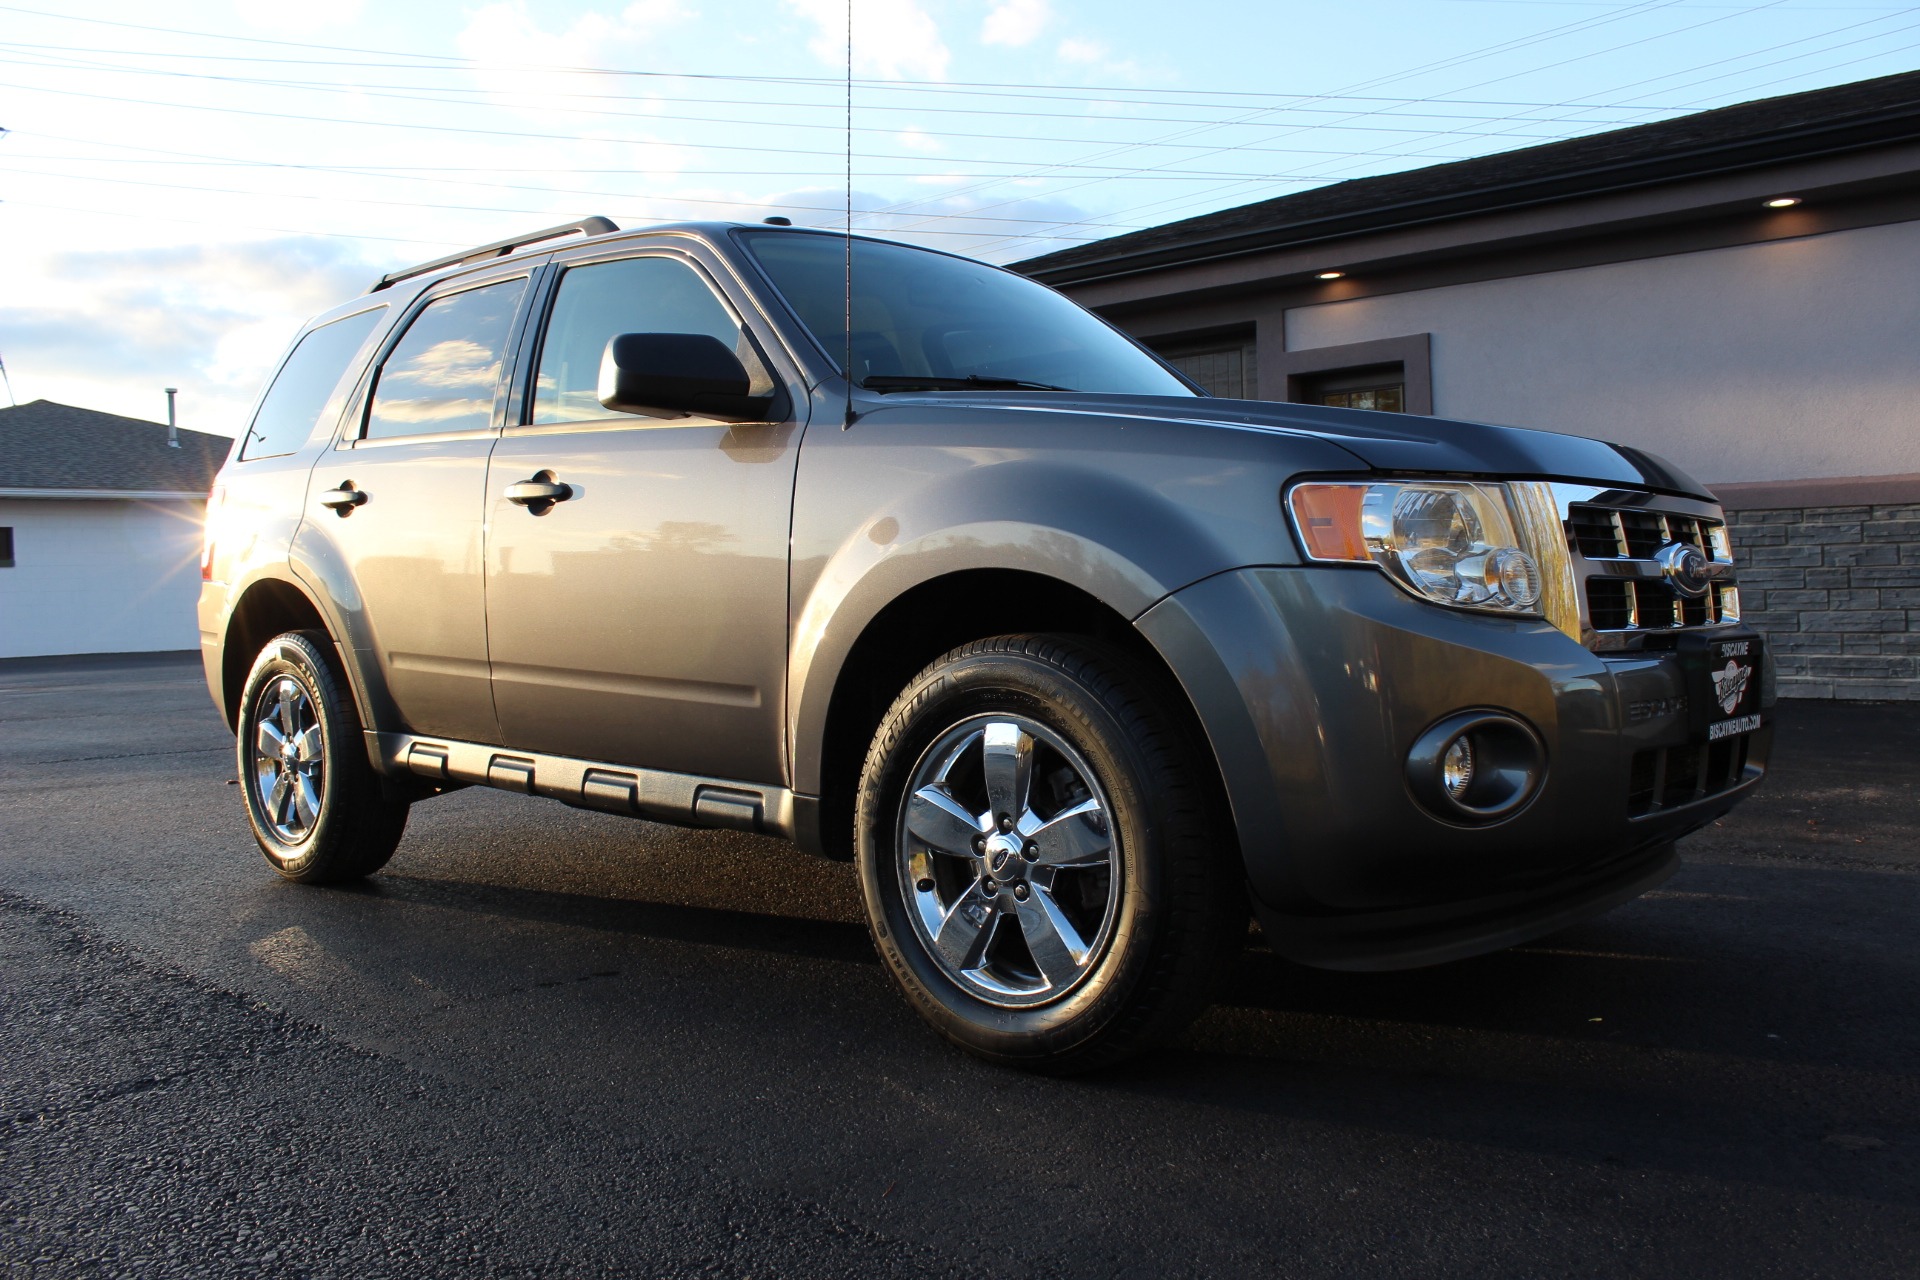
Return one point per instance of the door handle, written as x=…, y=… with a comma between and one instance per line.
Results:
x=344, y=499
x=538, y=493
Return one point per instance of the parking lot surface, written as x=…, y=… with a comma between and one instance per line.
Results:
x=553, y=1042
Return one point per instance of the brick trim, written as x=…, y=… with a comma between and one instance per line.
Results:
x=1831, y=491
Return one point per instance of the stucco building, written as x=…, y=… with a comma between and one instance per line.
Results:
x=1737, y=290
x=100, y=520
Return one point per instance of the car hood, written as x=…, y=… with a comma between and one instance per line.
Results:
x=1397, y=442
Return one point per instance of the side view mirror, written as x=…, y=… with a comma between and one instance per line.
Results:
x=668, y=375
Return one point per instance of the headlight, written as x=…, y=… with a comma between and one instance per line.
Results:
x=1452, y=542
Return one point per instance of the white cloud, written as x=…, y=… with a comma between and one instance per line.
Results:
x=892, y=39
x=918, y=140
x=654, y=14
x=1015, y=22
x=506, y=35
x=282, y=19
x=116, y=326
x=1074, y=49
x=984, y=225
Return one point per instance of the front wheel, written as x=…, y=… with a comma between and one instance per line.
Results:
x=316, y=806
x=1040, y=863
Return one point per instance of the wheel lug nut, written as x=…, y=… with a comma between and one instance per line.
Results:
x=1006, y=823
x=924, y=886
x=1020, y=891
x=1031, y=853
x=989, y=888
x=979, y=844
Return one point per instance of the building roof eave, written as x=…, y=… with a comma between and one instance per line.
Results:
x=1892, y=124
x=104, y=495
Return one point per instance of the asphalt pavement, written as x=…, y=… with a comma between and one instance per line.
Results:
x=549, y=1042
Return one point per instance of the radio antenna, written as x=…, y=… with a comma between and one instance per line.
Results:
x=846, y=367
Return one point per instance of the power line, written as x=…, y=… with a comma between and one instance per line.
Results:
x=1448, y=62
x=381, y=173
x=987, y=89
x=390, y=92
x=645, y=142
x=1188, y=202
x=990, y=88
x=224, y=224
x=1696, y=26
x=1132, y=96
x=361, y=92
x=336, y=198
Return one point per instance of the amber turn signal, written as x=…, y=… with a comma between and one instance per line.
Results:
x=1328, y=517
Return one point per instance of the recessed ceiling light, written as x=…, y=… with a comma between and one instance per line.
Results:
x=1783, y=202
x=1335, y=275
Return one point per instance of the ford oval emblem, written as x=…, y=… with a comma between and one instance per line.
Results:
x=1685, y=568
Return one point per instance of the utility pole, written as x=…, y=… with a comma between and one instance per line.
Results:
x=173, y=429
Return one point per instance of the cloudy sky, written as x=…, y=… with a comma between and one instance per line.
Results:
x=181, y=185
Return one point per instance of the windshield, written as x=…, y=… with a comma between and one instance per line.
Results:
x=924, y=320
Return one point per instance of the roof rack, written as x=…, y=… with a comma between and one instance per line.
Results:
x=595, y=226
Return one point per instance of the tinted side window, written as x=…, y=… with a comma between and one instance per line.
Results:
x=305, y=386
x=442, y=374
x=636, y=295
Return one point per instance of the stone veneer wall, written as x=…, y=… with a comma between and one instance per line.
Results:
x=1834, y=588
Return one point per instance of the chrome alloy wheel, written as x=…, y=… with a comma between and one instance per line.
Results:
x=289, y=769
x=1006, y=860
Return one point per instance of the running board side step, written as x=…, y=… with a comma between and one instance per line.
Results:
x=680, y=798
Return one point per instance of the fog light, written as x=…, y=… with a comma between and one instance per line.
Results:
x=1477, y=767
x=1517, y=575
x=1456, y=769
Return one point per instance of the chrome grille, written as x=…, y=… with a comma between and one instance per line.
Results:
x=1626, y=598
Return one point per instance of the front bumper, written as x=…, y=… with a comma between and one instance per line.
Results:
x=1313, y=683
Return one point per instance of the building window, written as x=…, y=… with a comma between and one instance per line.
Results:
x=6, y=546
x=1383, y=388
x=1224, y=368
x=1391, y=374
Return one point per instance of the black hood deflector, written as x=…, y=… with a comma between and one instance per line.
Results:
x=1396, y=442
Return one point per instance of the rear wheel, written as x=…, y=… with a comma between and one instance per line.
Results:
x=1041, y=870
x=316, y=806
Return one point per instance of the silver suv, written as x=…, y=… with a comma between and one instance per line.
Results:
x=936, y=571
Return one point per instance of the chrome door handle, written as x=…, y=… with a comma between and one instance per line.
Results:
x=538, y=492
x=344, y=499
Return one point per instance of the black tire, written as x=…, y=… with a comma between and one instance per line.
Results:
x=343, y=826
x=1174, y=896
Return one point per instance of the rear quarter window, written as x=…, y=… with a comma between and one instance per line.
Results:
x=306, y=385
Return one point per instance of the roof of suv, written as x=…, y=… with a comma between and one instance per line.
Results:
x=598, y=230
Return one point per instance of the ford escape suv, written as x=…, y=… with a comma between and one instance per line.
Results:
x=941, y=573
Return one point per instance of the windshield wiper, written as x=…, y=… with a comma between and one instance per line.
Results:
x=973, y=381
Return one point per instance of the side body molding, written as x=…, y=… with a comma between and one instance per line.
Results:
x=586, y=784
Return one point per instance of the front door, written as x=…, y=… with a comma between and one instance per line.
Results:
x=642, y=620
x=399, y=504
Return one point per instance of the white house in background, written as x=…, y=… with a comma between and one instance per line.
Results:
x=100, y=522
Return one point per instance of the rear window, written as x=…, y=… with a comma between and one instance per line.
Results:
x=305, y=386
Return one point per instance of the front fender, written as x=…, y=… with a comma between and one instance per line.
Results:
x=1124, y=542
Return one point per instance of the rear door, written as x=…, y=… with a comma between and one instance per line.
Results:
x=402, y=495
x=642, y=620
